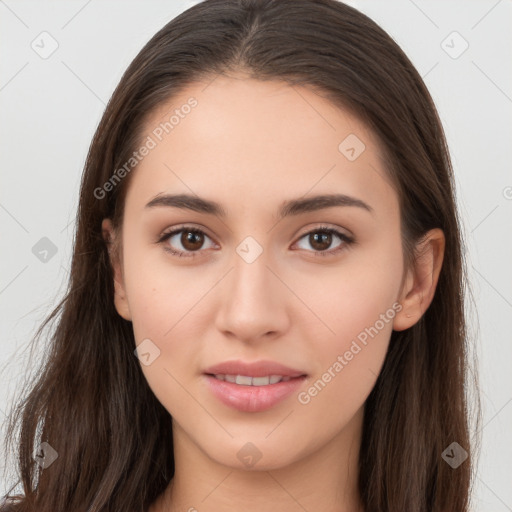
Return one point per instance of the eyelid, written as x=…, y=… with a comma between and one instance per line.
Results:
x=182, y=227
x=324, y=227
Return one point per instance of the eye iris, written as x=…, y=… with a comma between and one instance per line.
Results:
x=320, y=242
x=191, y=240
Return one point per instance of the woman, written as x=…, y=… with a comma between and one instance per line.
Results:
x=266, y=302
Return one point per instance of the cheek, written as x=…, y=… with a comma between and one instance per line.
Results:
x=171, y=320
x=168, y=304
x=348, y=362
x=358, y=303
x=353, y=296
x=161, y=294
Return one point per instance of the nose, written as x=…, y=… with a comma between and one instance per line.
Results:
x=254, y=302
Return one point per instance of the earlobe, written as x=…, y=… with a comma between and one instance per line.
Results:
x=421, y=281
x=120, y=299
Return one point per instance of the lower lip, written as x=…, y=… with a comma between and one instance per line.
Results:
x=252, y=398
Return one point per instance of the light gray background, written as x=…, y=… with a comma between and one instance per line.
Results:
x=50, y=108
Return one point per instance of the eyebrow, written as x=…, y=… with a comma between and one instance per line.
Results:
x=287, y=208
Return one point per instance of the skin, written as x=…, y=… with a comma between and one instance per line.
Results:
x=250, y=145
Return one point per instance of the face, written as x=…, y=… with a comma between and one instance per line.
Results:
x=314, y=286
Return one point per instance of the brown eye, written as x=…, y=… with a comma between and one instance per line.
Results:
x=321, y=239
x=320, y=242
x=185, y=241
x=191, y=240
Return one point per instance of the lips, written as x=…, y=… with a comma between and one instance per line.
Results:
x=253, y=387
x=246, y=380
x=256, y=369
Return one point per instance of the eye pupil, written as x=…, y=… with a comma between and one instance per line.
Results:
x=191, y=240
x=320, y=241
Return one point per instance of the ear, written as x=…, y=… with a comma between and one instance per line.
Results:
x=114, y=246
x=421, y=281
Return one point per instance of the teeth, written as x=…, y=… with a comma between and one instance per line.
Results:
x=242, y=379
x=259, y=381
x=245, y=380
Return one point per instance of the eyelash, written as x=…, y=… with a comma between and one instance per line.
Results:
x=347, y=241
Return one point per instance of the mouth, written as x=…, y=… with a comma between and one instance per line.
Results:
x=259, y=373
x=253, y=397
x=253, y=387
x=246, y=380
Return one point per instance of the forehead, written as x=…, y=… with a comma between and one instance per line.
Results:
x=265, y=139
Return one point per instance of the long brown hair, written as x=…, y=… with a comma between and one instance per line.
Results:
x=91, y=402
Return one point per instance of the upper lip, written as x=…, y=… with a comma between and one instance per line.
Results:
x=255, y=369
